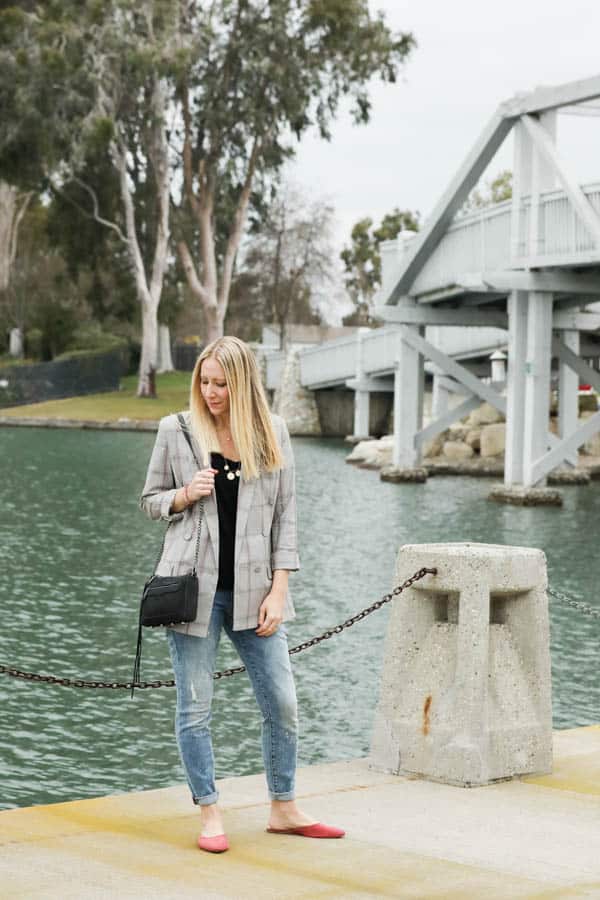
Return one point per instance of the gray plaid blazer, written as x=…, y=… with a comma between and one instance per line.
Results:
x=265, y=537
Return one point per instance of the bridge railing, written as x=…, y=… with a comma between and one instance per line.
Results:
x=328, y=363
x=332, y=362
x=481, y=241
x=380, y=351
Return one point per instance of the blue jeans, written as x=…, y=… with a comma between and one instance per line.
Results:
x=268, y=665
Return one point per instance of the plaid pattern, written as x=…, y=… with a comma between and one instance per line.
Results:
x=265, y=526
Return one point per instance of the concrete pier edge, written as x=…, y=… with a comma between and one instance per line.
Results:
x=405, y=837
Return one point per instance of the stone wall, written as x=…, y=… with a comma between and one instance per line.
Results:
x=295, y=403
x=89, y=374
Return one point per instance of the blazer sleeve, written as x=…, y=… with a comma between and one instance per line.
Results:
x=159, y=489
x=284, y=543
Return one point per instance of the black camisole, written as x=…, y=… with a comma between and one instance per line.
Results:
x=226, y=492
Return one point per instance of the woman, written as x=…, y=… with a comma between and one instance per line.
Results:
x=247, y=549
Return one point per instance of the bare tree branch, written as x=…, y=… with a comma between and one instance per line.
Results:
x=190, y=272
x=235, y=234
x=96, y=213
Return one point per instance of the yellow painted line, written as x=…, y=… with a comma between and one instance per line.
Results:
x=262, y=866
x=574, y=773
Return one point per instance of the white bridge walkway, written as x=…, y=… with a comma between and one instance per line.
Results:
x=523, y=275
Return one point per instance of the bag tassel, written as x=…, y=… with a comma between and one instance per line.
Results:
x=138, y=659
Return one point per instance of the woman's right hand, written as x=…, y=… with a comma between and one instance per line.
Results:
x=202, y=484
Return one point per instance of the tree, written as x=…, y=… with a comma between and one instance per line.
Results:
x=362, y=260
x=43, y=299
x=289, y=258
x=256, y=76
x=495, y=191
x=102, y=69
x=13, y=206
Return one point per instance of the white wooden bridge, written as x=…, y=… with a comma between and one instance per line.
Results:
x=523, y=274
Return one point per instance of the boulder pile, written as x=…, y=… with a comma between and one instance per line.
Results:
x=474, y=444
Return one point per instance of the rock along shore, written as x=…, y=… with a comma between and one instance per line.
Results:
x=474, y=446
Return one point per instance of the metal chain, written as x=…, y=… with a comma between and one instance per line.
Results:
x=575, y=604
x=127, y=685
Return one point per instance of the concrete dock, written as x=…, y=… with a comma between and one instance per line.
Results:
x=538, y=837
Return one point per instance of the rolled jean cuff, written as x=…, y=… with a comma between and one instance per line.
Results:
x=286, y=795
x=207, y=800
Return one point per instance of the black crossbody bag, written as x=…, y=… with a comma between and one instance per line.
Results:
x=169, y=599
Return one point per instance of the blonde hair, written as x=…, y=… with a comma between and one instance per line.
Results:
x=250, y=419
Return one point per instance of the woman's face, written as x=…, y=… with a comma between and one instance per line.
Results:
x=214, y=387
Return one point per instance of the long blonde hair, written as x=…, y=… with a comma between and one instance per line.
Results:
x=250, y=419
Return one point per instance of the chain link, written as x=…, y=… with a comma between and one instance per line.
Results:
x=235, y=670
x=575, y=604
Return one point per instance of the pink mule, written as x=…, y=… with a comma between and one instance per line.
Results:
x=216, y=844
x=317, y=830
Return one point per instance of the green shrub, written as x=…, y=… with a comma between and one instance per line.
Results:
x=93, y=351
x=91, y=337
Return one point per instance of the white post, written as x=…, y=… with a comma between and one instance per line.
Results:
x=515, y=388
x=408, y=404
x=537, y=382
x=15, y=347
x=498, y=361
x=568, y=393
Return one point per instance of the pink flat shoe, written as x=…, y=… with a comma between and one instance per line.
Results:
x=317, y=830
x=216, y=844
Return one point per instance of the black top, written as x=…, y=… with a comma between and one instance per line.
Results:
x=226, y=492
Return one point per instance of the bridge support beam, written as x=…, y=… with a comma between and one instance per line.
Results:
x=361, y=414
x=528, y=397
x=409, y=380
x=515, y=384
x=537, y=383
x=361, y=397
x=568, y=393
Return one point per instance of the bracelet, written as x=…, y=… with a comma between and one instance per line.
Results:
x=186, y=495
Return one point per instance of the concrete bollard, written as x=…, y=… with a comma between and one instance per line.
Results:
x=465, y=695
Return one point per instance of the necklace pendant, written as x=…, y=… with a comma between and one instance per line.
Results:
x=231, y=476
x=237, y=473
x=226, y=467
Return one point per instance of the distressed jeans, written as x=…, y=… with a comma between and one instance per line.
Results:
x=268, y=665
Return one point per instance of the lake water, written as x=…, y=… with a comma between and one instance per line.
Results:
x=75, y=550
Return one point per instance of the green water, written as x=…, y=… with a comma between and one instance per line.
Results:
x=75, y=550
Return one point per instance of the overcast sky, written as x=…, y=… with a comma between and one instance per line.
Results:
x=470, y=57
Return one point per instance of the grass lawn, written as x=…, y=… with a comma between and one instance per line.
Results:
x=173, y=389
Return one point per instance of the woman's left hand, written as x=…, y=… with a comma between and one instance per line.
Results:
x=270, y=613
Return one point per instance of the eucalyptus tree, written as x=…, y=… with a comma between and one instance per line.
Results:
x=97, y=76
x=255, y=76
x=17, y=183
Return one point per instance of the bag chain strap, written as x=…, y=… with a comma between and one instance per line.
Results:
x=200, y=506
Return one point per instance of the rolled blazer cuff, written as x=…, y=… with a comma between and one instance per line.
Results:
x=285, y=559
x=165, y=506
